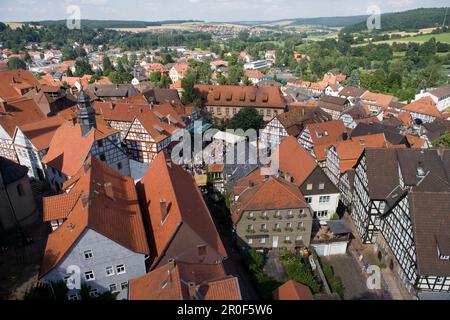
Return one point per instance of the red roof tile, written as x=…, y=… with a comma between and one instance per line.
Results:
x=292, y=290
x=177, y=188
x=114, y=214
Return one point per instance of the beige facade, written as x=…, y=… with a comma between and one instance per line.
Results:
x=228, y=112
x=283, y=228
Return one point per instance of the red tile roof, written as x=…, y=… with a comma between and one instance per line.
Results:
x=424, y=106
x=63, y=156
x=240, y=96
x=265, y=194
x=120, y=111
x=19, y=111
x=292, y=290
x=323, y=134
x=377, y=99
x=115, y=214
x=349, y=151
x=295, y=160
x=185, y=281
x=177, y=188
x=13, y=81
x=40, y=133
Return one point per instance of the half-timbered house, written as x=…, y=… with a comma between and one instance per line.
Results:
x=73, y=143
x=397, y=217
x=291, y=123
x=151, y=132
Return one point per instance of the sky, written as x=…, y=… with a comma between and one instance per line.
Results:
x=207, y=10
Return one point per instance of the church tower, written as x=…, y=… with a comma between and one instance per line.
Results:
x=85, y=113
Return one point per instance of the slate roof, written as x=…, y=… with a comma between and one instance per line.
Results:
x=11, y=171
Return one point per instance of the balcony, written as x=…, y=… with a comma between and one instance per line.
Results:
x=264, y=230
x=276, y=229
x=289, y=229
x=289, y=216
x=301, y=229
x=251, y=218
x=250, y=231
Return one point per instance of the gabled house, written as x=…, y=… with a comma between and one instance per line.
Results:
x=31, y=143
x=102, y=232
x=342, y=157
x=178, y=280
x=224, y=102
x=335, y=106
x=404, y=211
x=179, y=223
x=317, y=137
x=270, y=212
x=296, y=165
x=178, y=72
x=376, y=102
x=255, y=76
x=440, y=96
x=352, y=94
x=90, y=137
x=120, y=115
x=424, y=109
x=151, y=132
x=291, y=123
x=15, y=112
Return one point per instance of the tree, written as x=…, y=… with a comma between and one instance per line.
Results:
x=2, y=26
x=444, y=140
x=82, y=68
x=247, y=118
x=16, y=63
x=190, y=93
x=166, y=58
x=165, y=81
x=107, y=66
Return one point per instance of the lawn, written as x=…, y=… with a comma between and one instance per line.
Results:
x=442, y=37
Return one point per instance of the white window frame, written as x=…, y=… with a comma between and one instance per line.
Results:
x=112, y=271
x=121, y=272
x=93, y=293
x=88, y=254
x=90, y=272
x=115, y=286
x=124, y=284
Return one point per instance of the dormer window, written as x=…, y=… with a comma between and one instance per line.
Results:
x=420, y=170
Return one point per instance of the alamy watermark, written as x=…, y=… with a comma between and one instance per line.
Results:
x=73, y=21
x=374, y=20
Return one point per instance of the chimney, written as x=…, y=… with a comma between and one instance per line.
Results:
x=86, y=167
x=109, y=190
x=192, y=290
x=362, y=142
x=169, y=162
x=3, y=105
x=251, y=183
x=70, y=226
x=172, y=262
x=287, y=177
x=85, y=200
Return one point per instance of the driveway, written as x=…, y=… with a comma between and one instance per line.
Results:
x=353, y=279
